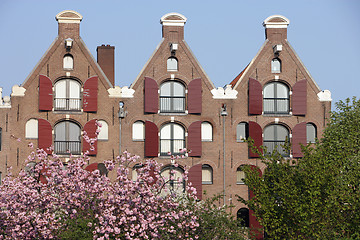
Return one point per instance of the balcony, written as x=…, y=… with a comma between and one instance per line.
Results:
x=67, y=104
x=276, y=106
x=67, y=147
x=172, y=146
x=172, y=104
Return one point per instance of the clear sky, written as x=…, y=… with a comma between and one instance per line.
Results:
x=224, y=36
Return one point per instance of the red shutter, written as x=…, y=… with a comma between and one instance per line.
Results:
x=90, y=129
x=255, y=97
x=151, y=139
x=253, y=222
x=151, y=98
x=195, y=96
x=44, y=135
x=43, y=174
x=92, y=167
x=45, y=93
x=255, y=132
x=195, y=177
x=299, y=98
x=298, y=137
x=90, y=95
x=194, y=139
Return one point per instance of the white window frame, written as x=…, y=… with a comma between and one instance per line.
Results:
x=206, y=132
x=138, y=131
x=31, y=129
x=104, y=131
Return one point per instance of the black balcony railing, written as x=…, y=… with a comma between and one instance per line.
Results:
x=278, y=145
x=172, y=146
x=67, y=147
x=67, y=104
x=276, y=105
x=172, y=104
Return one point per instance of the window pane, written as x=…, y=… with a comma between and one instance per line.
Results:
x=310, y=133
x=60, y=132
x=178, y=90
x=206, y=131
x=241, y=132
x=31, y=128
x=206, y=173
x=68, y=62
x=243, y=217
x=60, y=89
x=172, y=64
x=104, y=131
x=281, y=90
x=138, y=131
x=275, y=65
x=165, y=89
x=269, y=91
x=74, y=132
x=165, y=132
x=282, y=133
x=74, y=89
x=269, y=133
x=240, y=176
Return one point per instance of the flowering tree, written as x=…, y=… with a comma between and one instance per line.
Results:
x=54, y=200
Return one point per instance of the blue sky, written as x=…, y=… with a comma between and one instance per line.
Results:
x=224, y=36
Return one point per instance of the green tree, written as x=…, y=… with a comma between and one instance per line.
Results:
x=317, y=196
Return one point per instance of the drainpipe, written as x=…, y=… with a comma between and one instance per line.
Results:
x=121, y=115
x=224, y=113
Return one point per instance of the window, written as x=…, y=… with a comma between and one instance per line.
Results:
x=31, y=129
x=240, y=175
x=172, y=139
x=242, y=216
x=104, y=130
x=276, y=98
x=172, y=64
x=275, y=65
x=311, y=134
x=138, y=131
x=207, y=174
x=242, y=132
x=67, y=138
x=67, y=95
x=135, y=172
x=174, y=180
x=206, y=132
x=274, y=137
x=68, y=62
x=172, y=97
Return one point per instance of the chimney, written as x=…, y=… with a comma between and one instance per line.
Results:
x=276, y=28
x=173, y=27
x=69, y=24
x=105, y=58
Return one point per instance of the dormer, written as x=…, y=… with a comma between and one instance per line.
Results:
x=69, y=23
x=173, y=26
x=276, y=28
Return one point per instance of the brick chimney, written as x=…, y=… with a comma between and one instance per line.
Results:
x=106, y=60
x=69, y=24
x=173, y=26
x=276, y=28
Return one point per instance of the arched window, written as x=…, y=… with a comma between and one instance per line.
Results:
x=242, y=216
x=172, y=97
x=242, y=132
x=135, y=171
x=207, y=174
x=276, y=98
x=104, y=130
x=174, y=180
x=67, y=138
x=138, y=131
x=31, y=129
x=172, y=139
x=68, y=62
x=311, y=133
x=172, y=64
x=275, y=65
x=67, y=95
x=206, y=132
x=240, y=175
x=275, y=136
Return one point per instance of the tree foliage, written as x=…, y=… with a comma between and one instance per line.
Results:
x=317, y=196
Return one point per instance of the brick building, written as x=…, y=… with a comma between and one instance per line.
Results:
x=171, y=105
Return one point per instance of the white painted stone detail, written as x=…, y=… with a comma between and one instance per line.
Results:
x=324, y=96
x=118, y=92
x=18, y=91
x=227, y=93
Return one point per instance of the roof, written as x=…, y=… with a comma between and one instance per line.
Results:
x=236, y=79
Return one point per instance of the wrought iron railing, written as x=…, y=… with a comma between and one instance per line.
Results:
x=67, y=147
x=276, y=105
x=172, y=146
x=67, y=104
x=278, y=145
x=172, y=104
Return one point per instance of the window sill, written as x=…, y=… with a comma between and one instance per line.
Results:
x=207, y=140
x=172, y=114
x=206, y=183
x=78, y=112
x=277, y=115
x=240, y=183
x=138, y=140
